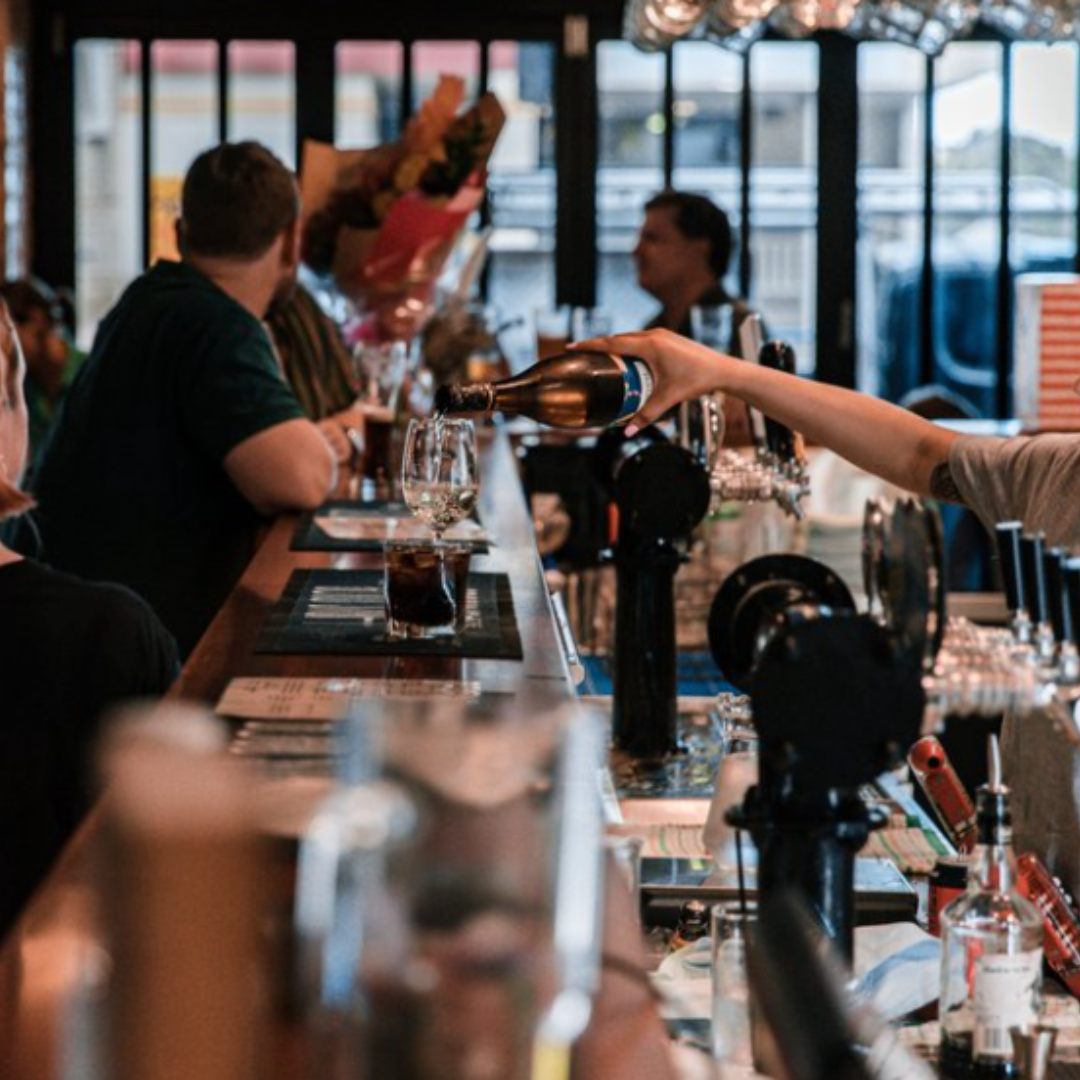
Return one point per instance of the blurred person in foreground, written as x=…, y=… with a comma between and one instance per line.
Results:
x=1032, y=479
x=180, y=437
x=69, y=650
x=52, y=361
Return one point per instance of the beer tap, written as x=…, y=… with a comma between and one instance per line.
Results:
x=1068, y=659
x=1032, y=572
x=777, y=470
x=1008, y=535
x=662, y=492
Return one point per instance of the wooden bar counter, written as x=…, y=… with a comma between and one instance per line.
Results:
x=55, y=938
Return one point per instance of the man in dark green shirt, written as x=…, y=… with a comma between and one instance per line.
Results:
x=179, y=435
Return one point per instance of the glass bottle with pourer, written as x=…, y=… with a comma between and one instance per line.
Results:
x=991, y=949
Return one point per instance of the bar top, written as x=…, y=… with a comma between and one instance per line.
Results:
x=55, y=941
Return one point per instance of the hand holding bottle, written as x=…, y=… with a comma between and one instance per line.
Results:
x=682, y=369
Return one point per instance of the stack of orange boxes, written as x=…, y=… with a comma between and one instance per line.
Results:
x=1048, y=351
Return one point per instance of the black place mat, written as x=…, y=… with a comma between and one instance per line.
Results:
x=309, y=536
x=358, y=628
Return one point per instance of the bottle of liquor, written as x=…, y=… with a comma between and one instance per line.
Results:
x=572, y=390
x=991, y=950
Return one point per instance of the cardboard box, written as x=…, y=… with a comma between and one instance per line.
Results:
x=1047, y=351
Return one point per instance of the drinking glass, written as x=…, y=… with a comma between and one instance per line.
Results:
x=710, y=324
x=420, y=590
x=732, y=928
x=439, y=476
x=380, y=372
x=552, y=332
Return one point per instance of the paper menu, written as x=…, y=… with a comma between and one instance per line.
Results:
x=345, y=526
x=328, y=699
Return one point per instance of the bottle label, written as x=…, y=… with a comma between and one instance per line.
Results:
x=637, y=386
x=1006, y=995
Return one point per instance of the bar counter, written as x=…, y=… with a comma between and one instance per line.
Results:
x=41, y=960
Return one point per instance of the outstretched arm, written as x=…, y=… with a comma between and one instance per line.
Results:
x=876, y=436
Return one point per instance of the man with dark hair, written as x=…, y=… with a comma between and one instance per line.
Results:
x=180, y=435
x=682, y=256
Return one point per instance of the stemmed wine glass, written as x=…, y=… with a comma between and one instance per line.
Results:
x=439, y=476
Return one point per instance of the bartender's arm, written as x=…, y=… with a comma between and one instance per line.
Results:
x=875, y=435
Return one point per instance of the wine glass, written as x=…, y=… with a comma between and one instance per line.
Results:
x=439, y=476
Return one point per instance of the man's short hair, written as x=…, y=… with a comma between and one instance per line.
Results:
x=238, y=198
x=699, y=218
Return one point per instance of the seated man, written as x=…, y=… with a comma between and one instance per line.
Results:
x=69, y=650
x=179, y=436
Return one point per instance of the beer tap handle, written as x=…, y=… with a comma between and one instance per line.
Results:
x=750, y=338
x=1031, y=566
x=1008, y=545
x=780, y=439
x=1072, y=598
x=1056, y=607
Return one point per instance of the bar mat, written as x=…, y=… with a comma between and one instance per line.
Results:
x=342, y=525
x=341, y=612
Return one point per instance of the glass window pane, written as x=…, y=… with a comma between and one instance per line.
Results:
x=631, y=96
x=967, y=226
x=108, y=167
x=368, y=105
x=521, y=188
x=262, y=95
x=434, y=58
x=783, y=192
x=184, y=116
x=708, y=139
x=891, y=181
x=1043, y=185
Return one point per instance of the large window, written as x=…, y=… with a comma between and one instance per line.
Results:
x=891, y=195
x=521, y=272
x=631, y=160
x=967, y=174
x=783, y=191
x=108, y=163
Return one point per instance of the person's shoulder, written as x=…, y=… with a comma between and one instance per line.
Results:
x=98, y=601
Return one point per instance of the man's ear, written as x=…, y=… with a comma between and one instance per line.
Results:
x=290, y=244
x=181, y=232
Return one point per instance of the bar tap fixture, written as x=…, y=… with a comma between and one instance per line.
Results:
x=777, y=469
x=661, y=492
x=783, y=628
x=1008, y=535
x=1032, y=570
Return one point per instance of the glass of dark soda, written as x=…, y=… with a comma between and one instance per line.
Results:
x=425, y=583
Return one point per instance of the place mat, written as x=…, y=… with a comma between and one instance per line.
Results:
x=341, y=612
x=344, y=525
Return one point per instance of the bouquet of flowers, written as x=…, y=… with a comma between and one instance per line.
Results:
x=382, y=222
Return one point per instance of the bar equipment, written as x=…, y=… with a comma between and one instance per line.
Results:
x=776, y=470
x=784, y=629
x=661, y=492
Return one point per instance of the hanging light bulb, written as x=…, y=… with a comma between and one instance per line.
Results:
x=738, y=14
x=801, y=17
x=675, y=18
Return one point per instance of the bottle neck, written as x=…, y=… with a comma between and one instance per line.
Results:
x=993, y=868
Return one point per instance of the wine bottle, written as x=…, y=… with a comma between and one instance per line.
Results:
x=991, y=950
x=571, y=390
